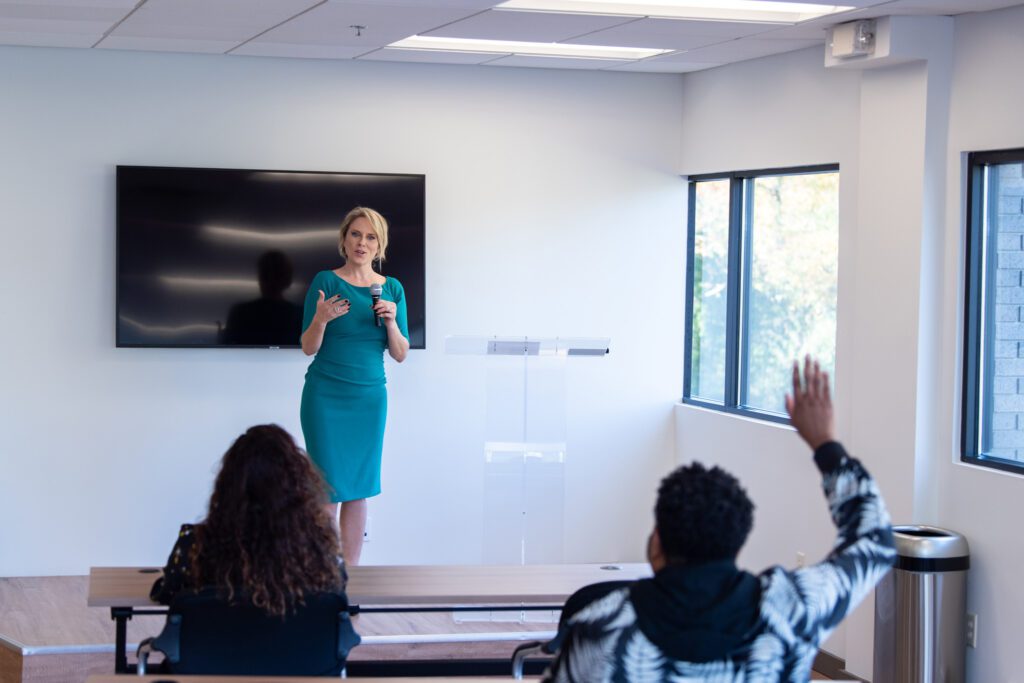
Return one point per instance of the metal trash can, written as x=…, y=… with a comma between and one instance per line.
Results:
x=921, y=609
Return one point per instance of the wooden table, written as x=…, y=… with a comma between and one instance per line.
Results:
x=409, y=585
x=409, y=588
x=168, y=678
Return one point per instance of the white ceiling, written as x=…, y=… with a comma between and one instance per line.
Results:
x=323, y=29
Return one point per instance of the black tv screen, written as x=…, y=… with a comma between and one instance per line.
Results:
x=223, y=257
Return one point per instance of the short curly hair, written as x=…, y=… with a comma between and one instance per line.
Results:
x=702, y=515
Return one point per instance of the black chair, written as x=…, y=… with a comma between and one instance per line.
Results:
x=577, y=601
x=204, y=634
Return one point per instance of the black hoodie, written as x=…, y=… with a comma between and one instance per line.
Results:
x=698, y=613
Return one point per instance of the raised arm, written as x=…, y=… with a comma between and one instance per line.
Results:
x=864, y=549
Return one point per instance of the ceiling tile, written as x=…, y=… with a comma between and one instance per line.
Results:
x=430, y=56
x=264, y=49
x=165, y=44
x=40, y=19
x=331, y=24
x=477, y=5
x=125, y=5
x=817, y=29
x=322, y=29
x=673, y=34
x=552, y=62
x=949, y=6
x=49, y=39
x=43, y=26
x=540, y=27
x=9, y=10
x=228, y=20
x=798, y=32
x=812, y=29
x=851, y=3
x=739, y=50
x=645, y=39
x=656, y=65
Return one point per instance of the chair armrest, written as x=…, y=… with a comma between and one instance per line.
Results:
x=167, y=642
x=347, y=636
x=520, y=654
x=145, y=647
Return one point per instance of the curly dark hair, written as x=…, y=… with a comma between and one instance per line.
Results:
x=702, y=515
x=267, y=535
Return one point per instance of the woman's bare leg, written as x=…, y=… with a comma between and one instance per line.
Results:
x=353, y=525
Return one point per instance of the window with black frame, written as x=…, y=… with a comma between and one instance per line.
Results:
x=762, y=267
x=992, y=428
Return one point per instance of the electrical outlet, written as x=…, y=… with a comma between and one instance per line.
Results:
x=801, y=559
x=972, y=630
x=366, y=530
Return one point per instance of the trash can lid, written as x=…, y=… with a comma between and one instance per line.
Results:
x=929, y=542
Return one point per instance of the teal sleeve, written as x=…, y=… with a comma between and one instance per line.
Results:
x=401, y=316
x=309, y=307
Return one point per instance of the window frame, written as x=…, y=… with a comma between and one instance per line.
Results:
x=738, y=264
x=978, y=329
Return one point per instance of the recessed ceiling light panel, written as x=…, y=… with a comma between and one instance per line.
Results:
x=707, y=10
x=512, y=47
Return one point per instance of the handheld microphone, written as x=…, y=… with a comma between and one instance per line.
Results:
x=375, y=291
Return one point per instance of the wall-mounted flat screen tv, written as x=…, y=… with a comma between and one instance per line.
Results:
x=223, y=257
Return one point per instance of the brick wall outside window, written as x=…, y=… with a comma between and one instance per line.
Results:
x=1007, y=390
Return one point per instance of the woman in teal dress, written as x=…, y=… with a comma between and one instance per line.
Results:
x=344, y=401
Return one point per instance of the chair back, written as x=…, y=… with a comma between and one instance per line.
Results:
x=577, y=601
x=205, y=634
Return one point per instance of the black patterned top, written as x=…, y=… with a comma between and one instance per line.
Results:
x=177, y=572
x=790, y=612
x=176, y=577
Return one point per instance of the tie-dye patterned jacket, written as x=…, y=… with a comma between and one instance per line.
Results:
x=792, y=613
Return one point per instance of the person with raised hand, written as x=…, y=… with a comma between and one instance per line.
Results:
x=700, y=617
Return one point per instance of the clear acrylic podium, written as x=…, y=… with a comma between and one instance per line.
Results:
x=525, y=445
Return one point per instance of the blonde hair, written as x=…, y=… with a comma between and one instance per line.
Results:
x=377, y=222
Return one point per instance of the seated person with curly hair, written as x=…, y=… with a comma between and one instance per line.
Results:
x=267, y=538
x=700, y=618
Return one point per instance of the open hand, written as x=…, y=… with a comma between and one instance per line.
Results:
x=810, y=404
x=329, y=309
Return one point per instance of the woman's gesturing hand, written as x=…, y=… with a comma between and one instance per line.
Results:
x=329, y=309
x=810, y=404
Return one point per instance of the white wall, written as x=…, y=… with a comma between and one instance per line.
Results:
x=902, y=147
x=987, y=506
x=776, y=112
x=551, y=198
x=898, y=134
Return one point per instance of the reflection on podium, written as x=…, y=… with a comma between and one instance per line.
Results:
x=525, y=445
